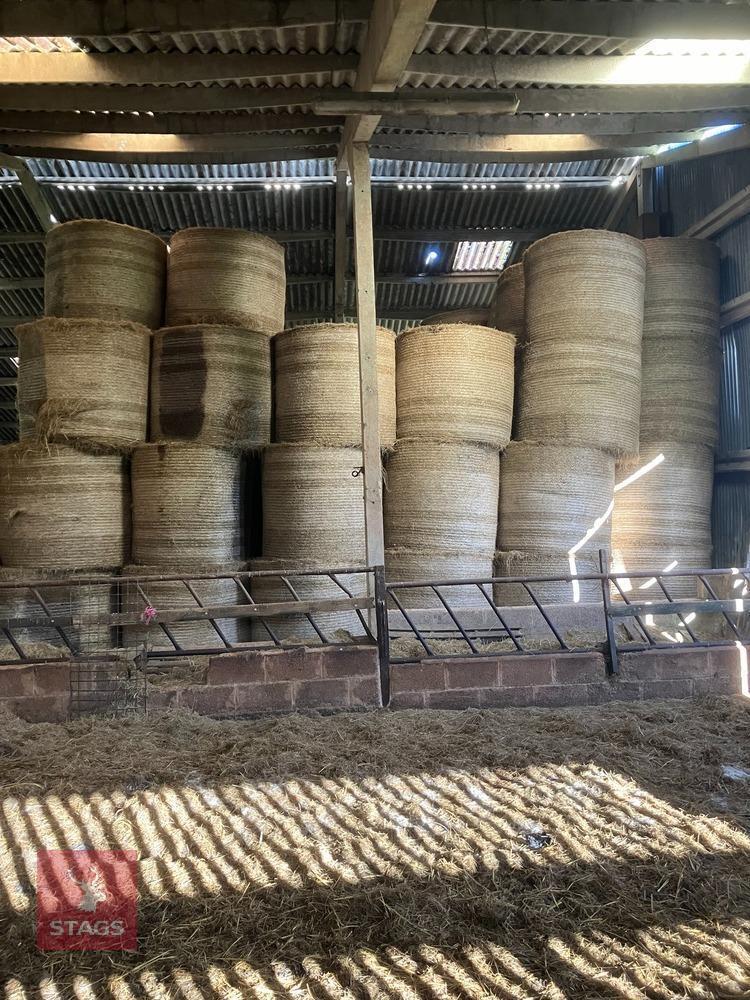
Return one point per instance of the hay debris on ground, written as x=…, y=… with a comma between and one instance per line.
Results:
x=598, y=852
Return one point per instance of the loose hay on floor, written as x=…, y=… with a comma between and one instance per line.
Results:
x=598, y=852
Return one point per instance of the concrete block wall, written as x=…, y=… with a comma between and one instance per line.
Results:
x=558, y=679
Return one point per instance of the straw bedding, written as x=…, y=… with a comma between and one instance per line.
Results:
x=547, y=562
x=455, y=383
x=174, y=595
x=681, y=342
x=62, y=509
x=313, y=504
x=410, y=564
x=441, y=495
x=508, y=309
x=393, y=854
x=581, y=380
x=104, y=270
x=552, y=497
x=226, y=276
x=316, y=371
x=335, y=625
x=75, y=599
x=475, y=317
x=211, y=385
x=187, y=505
x=83, y=381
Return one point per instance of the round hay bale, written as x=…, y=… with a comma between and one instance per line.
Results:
x=317, y=384
x=475, y=317
x=211, y=385
x=83, y=381
x=62, y=509
x=226, y=276
x=547, y=562
x=670, y=558
x=663, y=514
x=581, y=379
x=67, y=599
x=455, y=383
x=313, y=505
x=187, y=505
x=103, y=270
x=553, y=497
x=681, y=342
x=336, y=626
x=174, y=595
x=441, y=496
x=409, y=564
x=508, y=308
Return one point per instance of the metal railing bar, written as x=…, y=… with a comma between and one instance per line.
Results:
x=649, y=638
x=9, y=636
x=509, y=631
x=309, y=617
x=162, y=626
x=263, y=621
x=390, y=593
x=685, y=624
x=213, y=621
x=359, y=614
x=455, y=621
x=47, y=612
x=548, y=620
x=725, y=615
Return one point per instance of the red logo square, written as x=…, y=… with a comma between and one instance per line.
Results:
x=86, y=900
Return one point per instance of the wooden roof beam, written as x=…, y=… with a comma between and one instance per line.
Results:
x=133, y=17
x=171, y=124
x=667, y=19
x=393, y=30
x=163, y=68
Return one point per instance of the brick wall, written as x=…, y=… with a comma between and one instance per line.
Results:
x=280, y=680
x=565, y=679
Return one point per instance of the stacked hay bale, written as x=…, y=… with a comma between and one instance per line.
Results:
x=579, y=408
x=508, y=312
x=313, y=503
x=210, y=411
x=455, y=402
x=662, y=514
x=83, y=403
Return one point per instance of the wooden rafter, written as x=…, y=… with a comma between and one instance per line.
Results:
x=172, y=124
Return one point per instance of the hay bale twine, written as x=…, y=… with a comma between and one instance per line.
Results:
x=83, y=381
x=475, y=317
x=71, y=597
x=581, y=379
x=547, y=562
x=187, y=505
x=410, y=564
x=211, y=385
x=508, y=308
x=553, y=497
x=226, y=276
x=174, y=595
x=316, y=370
x=103, y=270
x=455, y=383
x=336, y=626
x=62, y=509
x=441, y=496
x=681, y=342
x=313, y=505
x=663, y=515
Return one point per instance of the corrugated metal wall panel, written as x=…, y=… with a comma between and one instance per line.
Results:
x=731, y=520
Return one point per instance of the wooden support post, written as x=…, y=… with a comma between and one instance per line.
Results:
x=341, y=251
x=359, y=167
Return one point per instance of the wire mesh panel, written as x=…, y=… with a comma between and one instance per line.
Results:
x=114, y=687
